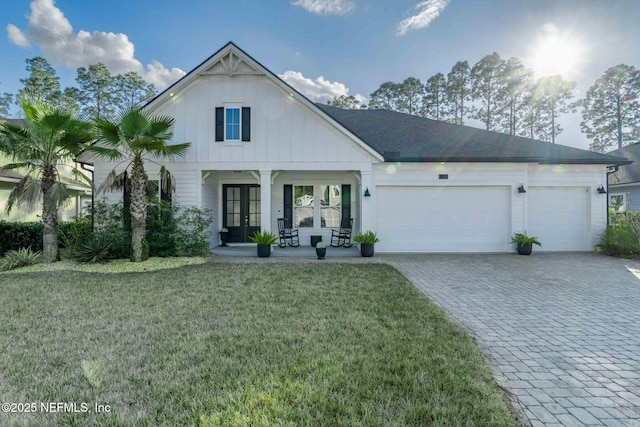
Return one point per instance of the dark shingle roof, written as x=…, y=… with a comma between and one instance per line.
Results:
x=629, y=173
x=405, y=138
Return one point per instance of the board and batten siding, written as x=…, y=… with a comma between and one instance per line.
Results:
x=283, y=130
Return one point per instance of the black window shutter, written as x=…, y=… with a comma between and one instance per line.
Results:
x=288, y=203
x=246, y=123
x=346, y=201
x=219, y=123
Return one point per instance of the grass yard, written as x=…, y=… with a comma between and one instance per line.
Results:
x=264, y=344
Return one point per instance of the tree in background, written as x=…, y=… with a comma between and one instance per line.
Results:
x=533, y=113
x=96, y=91
x=557, y=94
x=43, y=83
x=516, y=78
x=133, y=137
x=410, y=93
x=345, y=102
x=458, y=91
x=5, y=102
x=487, y=81
x=50, y=139
x=385, y=97
x=610, y=109
x=434, y=101
x=131, y=91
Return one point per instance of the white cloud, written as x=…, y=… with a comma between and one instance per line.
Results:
x=318, y=90
x=427, y=11
x=53, y=33
x=326, y=7
x=17, y=37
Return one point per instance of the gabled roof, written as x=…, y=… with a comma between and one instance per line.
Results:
x=230, y=60
x=405, y=138
x=629, y=173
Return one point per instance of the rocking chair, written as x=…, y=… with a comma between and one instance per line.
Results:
x=286, y=234
x=342, y=236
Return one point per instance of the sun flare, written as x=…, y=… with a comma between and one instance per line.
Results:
x=557, y=53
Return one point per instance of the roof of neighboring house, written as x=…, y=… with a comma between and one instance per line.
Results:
x=629, y=173
x=406, y=138
x=7, y=173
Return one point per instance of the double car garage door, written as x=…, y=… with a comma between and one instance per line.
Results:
x=478, y=219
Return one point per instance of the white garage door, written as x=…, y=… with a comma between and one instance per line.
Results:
x=559, y=217
x=451, y=219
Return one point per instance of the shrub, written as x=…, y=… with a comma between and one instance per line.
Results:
x=193, y=232
x=161, y=229
x=622, y=237
x=73, y=233
x=19, y=258
x=93, y=250
x=19, y=235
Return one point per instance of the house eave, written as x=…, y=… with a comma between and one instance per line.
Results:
x=537, y=160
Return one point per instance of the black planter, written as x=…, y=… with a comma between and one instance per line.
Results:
x=264, y=250
x=525, y=248
x=366, y=249
x=321, y=252
x=224, y=237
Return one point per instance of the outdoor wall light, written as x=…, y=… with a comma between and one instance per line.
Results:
x=521, y=189
x=601, y=190
x=366, y=192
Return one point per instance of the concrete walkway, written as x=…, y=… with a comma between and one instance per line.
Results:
x=561, y=331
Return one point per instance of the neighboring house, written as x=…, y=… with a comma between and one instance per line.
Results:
x=80, y=192
x=261, y=151
x=624, y=184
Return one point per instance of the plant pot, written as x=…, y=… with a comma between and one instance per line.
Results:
x=525, y=248
x=224, y=237
x=321, y=252
x=366, y=249
x=264, y=250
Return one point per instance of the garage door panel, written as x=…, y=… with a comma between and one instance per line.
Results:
x=451, y=219
x=559, y=217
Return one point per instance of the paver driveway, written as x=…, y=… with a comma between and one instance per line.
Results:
x=560, y=331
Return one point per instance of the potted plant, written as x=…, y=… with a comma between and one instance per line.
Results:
x=366, y=240
x=525, y=243
x=264, y=240
x=321, y=250
x=224, y=236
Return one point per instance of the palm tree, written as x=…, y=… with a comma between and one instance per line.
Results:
x=49, y=138
x=133, y=137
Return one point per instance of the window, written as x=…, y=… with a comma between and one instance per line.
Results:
x=330, y=203
x=315, y=206
x=303, y=206
x=618, y=202
x=233, y=124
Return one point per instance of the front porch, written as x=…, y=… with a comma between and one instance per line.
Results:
x=244, y=202
x=249, y=250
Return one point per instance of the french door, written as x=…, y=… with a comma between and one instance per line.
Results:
x=241, y=211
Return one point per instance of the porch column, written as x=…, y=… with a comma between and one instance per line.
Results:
x=368, y=205
x=265, y=200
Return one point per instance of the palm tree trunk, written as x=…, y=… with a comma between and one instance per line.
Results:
x=49, y=217
x=139, y=248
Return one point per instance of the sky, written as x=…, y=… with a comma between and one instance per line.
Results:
x=323, y=48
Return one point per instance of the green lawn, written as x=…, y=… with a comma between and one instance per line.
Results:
x=280, y=344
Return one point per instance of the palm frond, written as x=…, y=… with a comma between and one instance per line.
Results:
x=79, y=176
x=175, y=150
x=106, y=153
x=58, y=195
x=27, y=193
x=108, y=132
x=112, y=182
x=29, y=165
x=166, y=180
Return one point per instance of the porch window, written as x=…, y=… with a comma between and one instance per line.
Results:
x=330, y=205
x=303, y=206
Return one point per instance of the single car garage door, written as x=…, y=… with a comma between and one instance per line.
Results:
x=443, y=219
x=559, y=218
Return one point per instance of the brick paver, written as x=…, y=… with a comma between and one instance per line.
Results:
x=560, y=331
